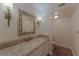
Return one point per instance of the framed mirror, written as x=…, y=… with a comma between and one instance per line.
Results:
x=26, y=23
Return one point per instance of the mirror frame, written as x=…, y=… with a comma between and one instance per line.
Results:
x=20, y=25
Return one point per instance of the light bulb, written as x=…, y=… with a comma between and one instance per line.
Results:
x=39, y=18
x=56, y=16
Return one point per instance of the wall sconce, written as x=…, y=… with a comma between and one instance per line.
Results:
x=39, y=21
x=7, y=12
x=56, y=17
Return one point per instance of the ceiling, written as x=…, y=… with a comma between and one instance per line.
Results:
x=37, y=9
x=43, y=9
x=67, y=10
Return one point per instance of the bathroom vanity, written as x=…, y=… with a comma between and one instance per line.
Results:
x=37, y=46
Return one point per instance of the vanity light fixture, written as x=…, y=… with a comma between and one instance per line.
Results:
x=7, y=11
x=8, y=5
x=39, y=21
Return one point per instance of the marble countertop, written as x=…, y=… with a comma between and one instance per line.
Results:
x=24, y=48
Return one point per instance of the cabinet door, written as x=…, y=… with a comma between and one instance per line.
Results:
x=31, y=54
x=37, y=52
x=46, y=48
x=42, y=50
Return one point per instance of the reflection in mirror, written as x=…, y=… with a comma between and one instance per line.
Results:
x=26, y=23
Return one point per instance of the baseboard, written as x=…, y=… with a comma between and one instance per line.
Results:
x=73, y=52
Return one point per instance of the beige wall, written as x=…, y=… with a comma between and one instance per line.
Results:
x=62, y=32
x=66, y=32
x=8, y=33
x=75, y=32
